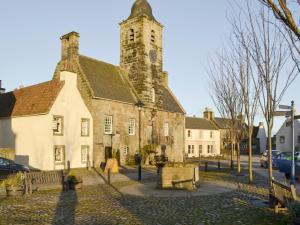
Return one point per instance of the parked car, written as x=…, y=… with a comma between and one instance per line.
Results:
x=284, y=163
x=264, y=158
x=8, y=166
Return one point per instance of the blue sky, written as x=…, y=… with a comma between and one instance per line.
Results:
x=194, y=31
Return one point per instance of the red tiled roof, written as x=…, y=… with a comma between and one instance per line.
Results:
x=32, y=100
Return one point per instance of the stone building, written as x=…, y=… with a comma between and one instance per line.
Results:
x=112, y=92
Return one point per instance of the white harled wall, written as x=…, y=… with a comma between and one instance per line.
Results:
x=32, y=136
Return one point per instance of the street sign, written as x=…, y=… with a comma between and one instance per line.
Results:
x=282, y=113
x=285, y=107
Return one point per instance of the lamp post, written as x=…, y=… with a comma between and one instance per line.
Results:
x=140, y=105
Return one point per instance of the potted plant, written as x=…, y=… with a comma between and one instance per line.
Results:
x=75, y=182
x=14, y=185
x=294, y=211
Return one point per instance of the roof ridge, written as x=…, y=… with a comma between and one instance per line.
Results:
x=32, y=86
x=97, y=60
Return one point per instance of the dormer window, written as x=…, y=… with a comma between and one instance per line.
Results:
x=152, y=36
x=153, y=95
x=131, y=35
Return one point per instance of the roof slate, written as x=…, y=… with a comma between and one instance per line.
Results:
x=32, y=100
x=222, y=123
x=106, y=80
x=198, y=123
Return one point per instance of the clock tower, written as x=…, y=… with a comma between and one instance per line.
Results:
x=141, y=53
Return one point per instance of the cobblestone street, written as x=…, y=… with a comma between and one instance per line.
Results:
x=102, y=204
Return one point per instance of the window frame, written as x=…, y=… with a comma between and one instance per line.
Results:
x=281, y=139
x=189, y=134
x=63, y=154
x=56, y=133
x=88, y=127
x=131, y=126
x=87, y=148
x=166, y=129
x=111, y=124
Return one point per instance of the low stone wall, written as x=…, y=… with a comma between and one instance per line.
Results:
x=7, y=153
x=178, y=176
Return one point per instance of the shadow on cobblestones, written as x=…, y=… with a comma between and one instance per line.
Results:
x=65, y=209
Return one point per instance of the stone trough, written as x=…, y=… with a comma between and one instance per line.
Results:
x=177, y=176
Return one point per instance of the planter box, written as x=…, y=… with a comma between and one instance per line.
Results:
x=14, y=191
x=75, y=186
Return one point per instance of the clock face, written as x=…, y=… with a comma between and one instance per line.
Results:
x=153, y=56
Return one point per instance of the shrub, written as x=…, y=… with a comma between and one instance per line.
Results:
x=16, y=180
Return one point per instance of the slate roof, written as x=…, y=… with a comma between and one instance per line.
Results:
x=222, y=123
x=33, y=100
x=198, y=123
x=108, y=82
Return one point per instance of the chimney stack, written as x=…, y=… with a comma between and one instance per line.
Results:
x=208, y=114
x=2, y=90
x=70, y=46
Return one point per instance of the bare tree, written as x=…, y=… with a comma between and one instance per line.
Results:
x=267, y=49
x=282, y=10
x=227, y=98
x=241, y=65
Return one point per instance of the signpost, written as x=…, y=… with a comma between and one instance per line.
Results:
x=290, y=114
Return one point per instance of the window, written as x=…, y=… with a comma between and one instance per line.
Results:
x=58, y=125
x=59, y=154
x=191, y=149
x=200, y=134
x=210, y=149
x=153, y=95
x=108, y=122
x=131, y=35
x=211, y=134
x=85, y=127
x=126, y=150
x=189, y=134
x=131, y=127
x=200, y=149
x=85, y=153
x=298, y=139
x=152, y=36
x=282, y=139
x=166, y=129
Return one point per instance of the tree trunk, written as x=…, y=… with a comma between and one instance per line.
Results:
x=270, y=155
x=250, y=178
x=231, y=158
x=238, y=158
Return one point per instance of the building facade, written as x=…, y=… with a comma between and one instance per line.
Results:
x=284, y=137
x=42, y=126
x=202, y=138
x=111, y=93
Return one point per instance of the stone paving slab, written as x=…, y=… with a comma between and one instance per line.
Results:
x=203, y=189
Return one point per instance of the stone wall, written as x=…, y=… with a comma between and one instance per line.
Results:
x=151, y=130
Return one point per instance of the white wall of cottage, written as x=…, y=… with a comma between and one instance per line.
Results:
x=32, y=136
